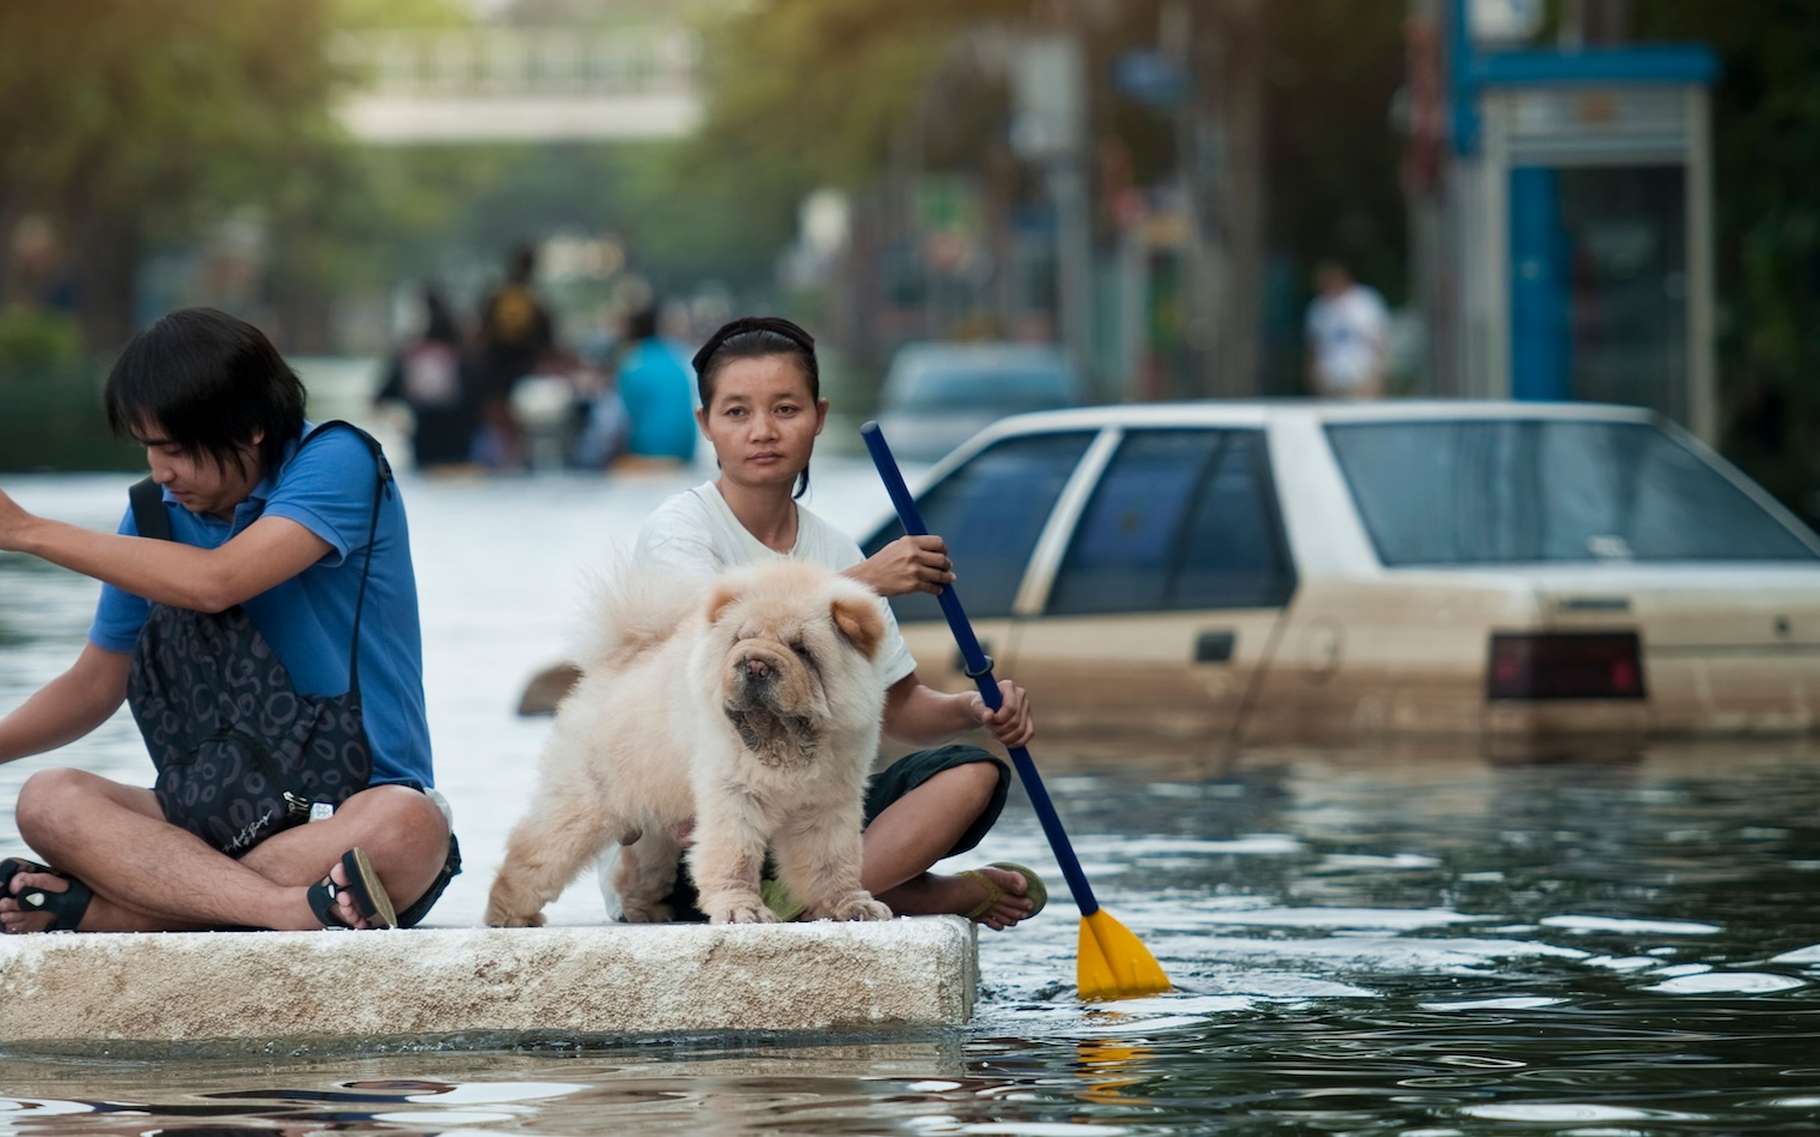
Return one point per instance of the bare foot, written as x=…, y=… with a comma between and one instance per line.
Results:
x=935, y=895
x=344, y=902
x=1011, y=907
x=15, y=917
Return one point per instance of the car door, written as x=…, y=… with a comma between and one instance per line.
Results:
x=1162, y=605
x=990, y=509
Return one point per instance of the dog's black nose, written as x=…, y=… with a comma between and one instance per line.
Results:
x=757, y=670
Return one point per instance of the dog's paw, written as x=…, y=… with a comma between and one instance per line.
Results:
x=740, y=910
x=853, y=906
x=498, y=917
x=646, y=913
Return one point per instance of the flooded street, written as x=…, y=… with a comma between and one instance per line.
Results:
x=1416, y=943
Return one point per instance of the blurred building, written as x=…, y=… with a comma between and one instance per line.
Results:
x=1561, y=207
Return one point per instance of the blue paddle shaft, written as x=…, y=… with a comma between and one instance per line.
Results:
x=979, y=668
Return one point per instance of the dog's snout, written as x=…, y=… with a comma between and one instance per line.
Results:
x=757, y=670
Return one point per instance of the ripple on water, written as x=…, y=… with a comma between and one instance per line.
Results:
x=1360, y=938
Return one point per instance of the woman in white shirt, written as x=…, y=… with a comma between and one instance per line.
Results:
x=761, y=409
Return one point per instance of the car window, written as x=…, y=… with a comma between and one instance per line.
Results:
x=990, y=510
x=1233, y=554
x=1529, y=490
x=1180, y=519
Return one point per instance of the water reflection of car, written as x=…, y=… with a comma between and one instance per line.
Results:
x=938, y=395
x=1310, y=571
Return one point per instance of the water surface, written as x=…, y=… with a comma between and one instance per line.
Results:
x=1412, y=942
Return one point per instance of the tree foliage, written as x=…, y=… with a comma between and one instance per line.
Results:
x=127, y=122
x=1766, y=136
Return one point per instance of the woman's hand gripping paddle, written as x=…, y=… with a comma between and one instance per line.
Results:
x=1112, y=963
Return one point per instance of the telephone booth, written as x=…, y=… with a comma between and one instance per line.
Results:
x=1580, y=204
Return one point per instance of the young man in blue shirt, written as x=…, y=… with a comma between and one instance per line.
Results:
x=265, y=634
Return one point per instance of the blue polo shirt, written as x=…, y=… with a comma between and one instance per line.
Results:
x=327, y=488
x=659, y=396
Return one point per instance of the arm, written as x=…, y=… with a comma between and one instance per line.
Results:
x=268, y=552
x=67, y=707
x=906, y=565
x=922, y=715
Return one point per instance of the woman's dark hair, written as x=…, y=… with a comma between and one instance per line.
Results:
x=439, y=322
x=758, y=337
x=209, y=382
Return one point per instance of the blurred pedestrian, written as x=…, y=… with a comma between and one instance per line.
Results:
x=658, y=392
x=1348, y=336
x=427, y=375
x=515, y=332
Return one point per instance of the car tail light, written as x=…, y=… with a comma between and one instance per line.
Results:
x=1565, y=665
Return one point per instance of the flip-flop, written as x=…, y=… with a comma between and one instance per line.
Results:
x=1034, y=890
x=370, y=896
x=66, y=907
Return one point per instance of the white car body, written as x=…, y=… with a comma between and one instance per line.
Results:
x=1362, y=649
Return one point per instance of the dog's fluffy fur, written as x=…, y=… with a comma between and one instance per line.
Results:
x=752, y=705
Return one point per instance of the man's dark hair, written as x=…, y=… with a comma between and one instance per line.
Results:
x=758, y=337
x=642, y=324
x=209, y=382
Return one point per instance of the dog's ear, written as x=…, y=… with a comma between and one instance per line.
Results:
x=722, y=595
x=859, y=620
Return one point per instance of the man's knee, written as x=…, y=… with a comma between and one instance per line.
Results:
x=51, y=803
x=401, y=817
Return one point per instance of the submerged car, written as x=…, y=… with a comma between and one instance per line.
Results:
x=938, y=395
x=1305, y=571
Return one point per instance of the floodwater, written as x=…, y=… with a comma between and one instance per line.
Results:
x=1363, y=942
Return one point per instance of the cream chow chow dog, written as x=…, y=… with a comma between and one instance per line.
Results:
x=752, y=705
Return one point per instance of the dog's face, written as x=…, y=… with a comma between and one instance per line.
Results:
x=792, y=638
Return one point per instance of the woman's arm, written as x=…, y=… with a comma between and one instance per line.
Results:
x=921, y=715
x=67, y=707
x=908, y=564
x=268, y=552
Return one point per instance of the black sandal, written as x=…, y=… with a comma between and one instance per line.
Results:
x=370, y=896
x=66, y=907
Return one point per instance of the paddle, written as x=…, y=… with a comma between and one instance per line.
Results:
x=1111, y=963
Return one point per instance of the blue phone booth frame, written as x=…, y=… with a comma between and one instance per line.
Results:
x=1525, y=124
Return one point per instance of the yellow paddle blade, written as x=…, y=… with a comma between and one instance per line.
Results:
x=1112, y=964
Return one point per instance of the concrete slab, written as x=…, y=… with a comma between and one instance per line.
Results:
x=490, y=984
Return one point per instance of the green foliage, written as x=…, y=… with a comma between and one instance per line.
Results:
x=1766, y=137
x=362, y=15
x=159, y=108
x=34, y=343
x=54, y=421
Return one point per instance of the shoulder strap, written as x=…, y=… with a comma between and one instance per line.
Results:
x=149, y=517
x=384, y=475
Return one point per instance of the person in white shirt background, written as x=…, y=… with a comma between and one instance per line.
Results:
x=761, y=411
x=1348, y=336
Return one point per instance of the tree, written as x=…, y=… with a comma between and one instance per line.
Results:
x=1766, y=136
x=131, y=122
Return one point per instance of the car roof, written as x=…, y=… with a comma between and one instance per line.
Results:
x=1263, y=412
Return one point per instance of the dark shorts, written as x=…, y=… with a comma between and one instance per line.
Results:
x=886, y=788
x=451, y=868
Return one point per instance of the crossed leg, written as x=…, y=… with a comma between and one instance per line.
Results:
x=150, y=875
x=917, y=830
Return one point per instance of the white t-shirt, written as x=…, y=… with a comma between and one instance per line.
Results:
x=696, y=534
x=1347, y=333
